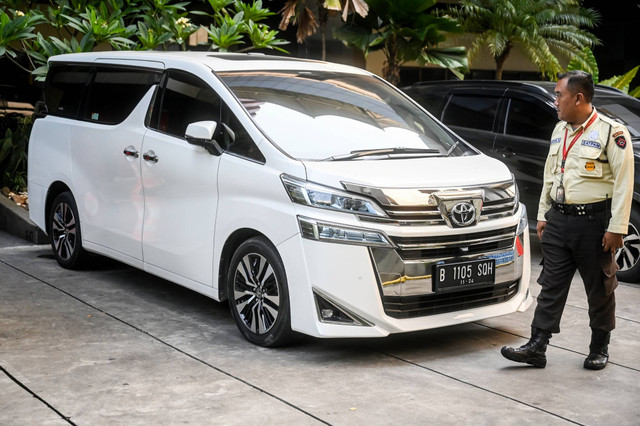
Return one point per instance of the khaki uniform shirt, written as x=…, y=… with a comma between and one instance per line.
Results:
x=599, y=166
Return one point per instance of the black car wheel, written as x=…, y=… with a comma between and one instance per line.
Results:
x=628, y=257
x=258, y=294
x=64, y=232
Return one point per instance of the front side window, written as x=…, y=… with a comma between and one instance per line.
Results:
x=185, y=99
x=529, y=120
x=475, y=112
x=321, y=115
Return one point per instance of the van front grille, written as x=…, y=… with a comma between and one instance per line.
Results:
x=445, y=246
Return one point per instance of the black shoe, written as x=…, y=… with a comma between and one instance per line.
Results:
x=598, y=350
x=597, y=360
x=533, y=352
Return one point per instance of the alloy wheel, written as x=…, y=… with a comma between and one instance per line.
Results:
x=64, y=231
x=256, y=293
x=629, y=255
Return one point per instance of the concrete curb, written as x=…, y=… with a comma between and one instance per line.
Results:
x=15, y=220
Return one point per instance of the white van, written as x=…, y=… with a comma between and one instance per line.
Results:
x=314, y=197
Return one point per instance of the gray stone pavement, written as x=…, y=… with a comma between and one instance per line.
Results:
x=115, y=346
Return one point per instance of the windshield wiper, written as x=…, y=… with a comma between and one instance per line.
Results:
x=383, y=151
x=454, y=146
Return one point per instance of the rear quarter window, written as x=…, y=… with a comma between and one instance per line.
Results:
x=64, y=88
x=114, y=93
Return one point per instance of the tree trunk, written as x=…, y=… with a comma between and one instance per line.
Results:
x=391, y=69
x=500, y=60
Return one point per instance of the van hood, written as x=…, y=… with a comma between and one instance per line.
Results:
x=431, y=172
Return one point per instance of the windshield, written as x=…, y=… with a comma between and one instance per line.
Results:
x=623, y=109
x=337, y=116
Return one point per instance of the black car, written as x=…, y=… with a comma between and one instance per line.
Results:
x=513, y=121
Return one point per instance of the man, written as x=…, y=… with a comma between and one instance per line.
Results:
x=583, y=215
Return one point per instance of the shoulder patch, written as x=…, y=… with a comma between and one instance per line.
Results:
x=621, y=142
x=616, y=134
x=592, y=144
x=556, y=140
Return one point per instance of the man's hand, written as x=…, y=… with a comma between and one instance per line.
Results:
x=611, y=241
x=540, y=228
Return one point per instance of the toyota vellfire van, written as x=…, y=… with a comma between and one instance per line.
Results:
x=314, y=197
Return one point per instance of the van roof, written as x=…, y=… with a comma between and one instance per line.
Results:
x=214, y=60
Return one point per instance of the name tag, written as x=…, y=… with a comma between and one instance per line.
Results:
x=592, y=144
x=556, y=140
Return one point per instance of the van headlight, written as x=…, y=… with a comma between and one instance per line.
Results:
x=524, y=220
x=312, y=229
x=324, y=197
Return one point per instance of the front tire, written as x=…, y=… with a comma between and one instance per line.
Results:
x=628, y=257
x=64, y=232
x=258, y=294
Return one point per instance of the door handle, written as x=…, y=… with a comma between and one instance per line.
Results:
x=150, y=156
x=130, y=151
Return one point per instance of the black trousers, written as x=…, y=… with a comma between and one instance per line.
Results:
x=570, y=243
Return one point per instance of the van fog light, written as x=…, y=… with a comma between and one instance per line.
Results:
x=335, y=233
x=330, y=312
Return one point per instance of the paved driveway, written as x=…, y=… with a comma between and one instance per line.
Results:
x=114, y=345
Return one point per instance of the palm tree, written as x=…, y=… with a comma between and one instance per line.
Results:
x=541, y=28
x=405, y=31
x=301, y=14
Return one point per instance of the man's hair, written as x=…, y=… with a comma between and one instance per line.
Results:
x=579, y=82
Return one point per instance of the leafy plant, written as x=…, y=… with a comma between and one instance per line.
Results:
x=13, y=156
x=404, y=31
x=541, y=28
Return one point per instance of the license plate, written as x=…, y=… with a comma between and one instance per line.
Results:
x=463, y=275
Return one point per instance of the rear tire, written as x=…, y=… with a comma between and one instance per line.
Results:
x=64, y=232
x=258, y=294
x=628, y=257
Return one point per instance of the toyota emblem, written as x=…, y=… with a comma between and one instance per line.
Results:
x=463, y=214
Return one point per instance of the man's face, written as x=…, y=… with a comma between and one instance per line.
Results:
x=565, y=102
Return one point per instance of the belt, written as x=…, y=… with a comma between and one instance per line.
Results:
x=581, y=209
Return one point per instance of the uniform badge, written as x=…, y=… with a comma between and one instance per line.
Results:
x=594, y=135
x=621, y=142
x=590, y=166
x=592, y=144
x=616, y=134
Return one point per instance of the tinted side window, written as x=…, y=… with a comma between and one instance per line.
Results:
x=476, y=112
x=242, y=144
x=115, y=93
x=429, y=99
x=529, y=120
x=64, y=89
x=185, y=99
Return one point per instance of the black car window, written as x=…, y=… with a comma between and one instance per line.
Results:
x=116, y=92
x=184, y=100
x=241, y=144
x=64, y=88
x=476, y=112
x=525, y=118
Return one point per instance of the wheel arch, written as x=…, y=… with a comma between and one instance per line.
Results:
x=230, y=246
x=55, y=189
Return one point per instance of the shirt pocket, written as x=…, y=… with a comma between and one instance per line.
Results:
x=589, y=164
x=554, y=152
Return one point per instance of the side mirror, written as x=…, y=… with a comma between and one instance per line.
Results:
x=201, y=134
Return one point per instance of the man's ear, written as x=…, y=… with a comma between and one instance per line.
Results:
x=579, y=98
